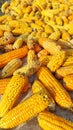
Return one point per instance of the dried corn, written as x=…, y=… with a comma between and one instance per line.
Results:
x=18, y=53
x=38, y=86
x=49, y=45
x=28, y=69
x=4, y=6
x=58, y=92
x=63, y=71
x=56, y=61
x=31, y=56
x=50, y=121
x=68, y=82
x=12, y=92
x=69, y=52
x=68, y=61
x=55, y=35
x=3, y=84
x=25, y=110
x=66, y=36
x=45, y=59
x=10, y=68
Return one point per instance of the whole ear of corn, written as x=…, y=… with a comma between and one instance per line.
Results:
x=25, y=110
x=56, y=61
x=68, y=81
x=7, y=57
x=49, y=45
x=38, y=86
x=50, y=121
x=5, y=82
x=10, y=68
x=68, y=61
x=58, y=92
x=12, y=93
x=64, y=71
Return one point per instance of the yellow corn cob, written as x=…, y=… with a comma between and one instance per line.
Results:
x=31, y=57
x=68, y=81
x=38, y=86
x=63, y=71
x=68, y=61
x=50, y=121
x=25, y=110
x=55, y=35
x=66, y=36
x=12, y=92
x=49, y=45
x=45, y=59
x=11, y=67
x=56, y=61
x=48, y=29
x=4, y=6
x=58, y=92
x=19, y=41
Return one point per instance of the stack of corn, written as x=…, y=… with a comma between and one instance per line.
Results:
x=41, y=32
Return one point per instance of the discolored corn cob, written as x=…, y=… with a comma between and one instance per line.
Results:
x=25, y=110
x=49, y=45
x=56, y=61
x=31, y=56
x=18, y=53
x=12, y=93
x=58, y=92
x=68, y=61
x=10, y=68
x=50, y=121
x=45, y=59
x=3, y=84
x=68, y=82
x=28, y=69
x=63, y=71
x=38, y=86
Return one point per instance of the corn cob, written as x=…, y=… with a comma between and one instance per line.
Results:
x=4, y=6
x=68, y=61
x=69, y=52
x=38, y=86
x=12, y=92
x=25, y=110
x=6, y=57
x=28, y=69
x=8, y=38
x=56, y=61
x=31, y=57
x=3, y=84
x=64, y=71
x=58, y=92
x=50, y=121
x=10, y=68
x=49, y=45
x=68, y=81
x=55, y=35
x=45, y=59
x=43, y=52
x=66, y=36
